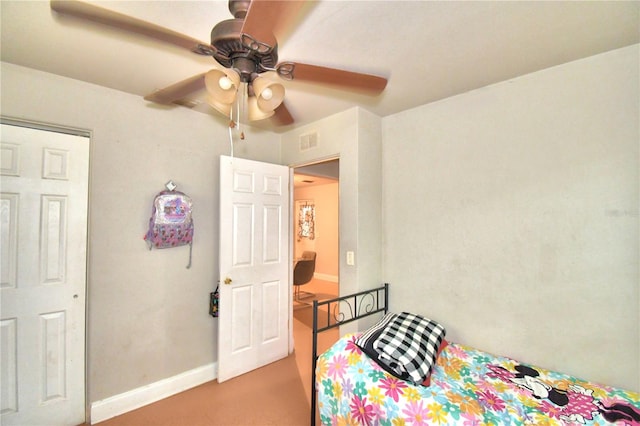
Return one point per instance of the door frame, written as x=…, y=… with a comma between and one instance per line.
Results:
x=292, y=231
x=37, y=125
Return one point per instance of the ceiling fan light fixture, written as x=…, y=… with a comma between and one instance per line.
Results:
x=255, y=112
x=269, y=94
x=222, y=85
x=222, y=108
x=247, y=47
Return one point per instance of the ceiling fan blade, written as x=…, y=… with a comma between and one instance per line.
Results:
x=349, y=80
x=282, y=116
x=268, y=20
x=118, y=20
x=177, y=91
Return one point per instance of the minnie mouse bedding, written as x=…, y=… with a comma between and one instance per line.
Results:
x=467, y=387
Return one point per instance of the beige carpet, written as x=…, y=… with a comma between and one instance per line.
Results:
x=272, y=395
x=277, y=394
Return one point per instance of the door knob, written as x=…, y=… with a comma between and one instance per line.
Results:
x=228, y=280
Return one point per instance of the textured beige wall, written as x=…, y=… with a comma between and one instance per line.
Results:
x=354, y=136
x=147, y=314
x=511, y=216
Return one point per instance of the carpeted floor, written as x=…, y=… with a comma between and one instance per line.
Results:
x=277, y=394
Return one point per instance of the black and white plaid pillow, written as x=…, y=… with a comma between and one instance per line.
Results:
x=409, y=344
x=366, y=339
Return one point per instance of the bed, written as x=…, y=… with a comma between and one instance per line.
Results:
x=463, y=385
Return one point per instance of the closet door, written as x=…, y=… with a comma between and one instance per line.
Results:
x=44, y=194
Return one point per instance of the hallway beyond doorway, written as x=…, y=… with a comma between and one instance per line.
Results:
x=302, y=328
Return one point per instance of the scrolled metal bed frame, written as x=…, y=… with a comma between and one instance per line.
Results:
x=343, y=310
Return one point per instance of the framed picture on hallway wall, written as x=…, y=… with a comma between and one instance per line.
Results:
x=306, y=219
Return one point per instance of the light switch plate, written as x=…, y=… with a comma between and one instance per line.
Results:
x=351, y=259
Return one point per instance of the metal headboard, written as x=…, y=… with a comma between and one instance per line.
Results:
x=339, y=311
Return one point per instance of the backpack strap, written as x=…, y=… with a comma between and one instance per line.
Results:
x=190, y=249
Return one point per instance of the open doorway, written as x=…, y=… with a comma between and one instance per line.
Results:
x=315, y=217
x=315, y=213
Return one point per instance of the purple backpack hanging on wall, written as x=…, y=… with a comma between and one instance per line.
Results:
x=171, y=224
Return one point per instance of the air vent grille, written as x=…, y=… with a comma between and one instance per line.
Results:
x=308, y=141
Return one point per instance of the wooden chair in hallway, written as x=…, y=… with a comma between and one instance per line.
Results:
x=303, y=274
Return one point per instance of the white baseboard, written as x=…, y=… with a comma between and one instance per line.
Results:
x=326, y=277
x=136, y=398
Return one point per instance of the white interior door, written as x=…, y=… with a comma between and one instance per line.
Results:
x=254, y=265
x=44, y=193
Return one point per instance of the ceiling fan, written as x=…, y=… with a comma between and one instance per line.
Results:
x=247, y=47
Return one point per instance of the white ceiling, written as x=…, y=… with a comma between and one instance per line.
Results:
x=429, y=50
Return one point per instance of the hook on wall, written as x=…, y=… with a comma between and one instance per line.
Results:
x=170, y=185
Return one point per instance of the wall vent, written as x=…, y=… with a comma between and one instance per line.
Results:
x=308, y=141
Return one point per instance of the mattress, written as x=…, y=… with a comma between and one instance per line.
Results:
x=466, y=387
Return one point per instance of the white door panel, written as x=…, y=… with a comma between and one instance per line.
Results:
x=254, y=255
x=44, y=193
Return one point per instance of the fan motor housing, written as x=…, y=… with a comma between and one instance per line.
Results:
x=226, y=38
x=239, y=8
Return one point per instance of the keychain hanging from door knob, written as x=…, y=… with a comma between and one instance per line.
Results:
x=228, y=280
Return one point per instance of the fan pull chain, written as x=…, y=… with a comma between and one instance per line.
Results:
x=231, y=141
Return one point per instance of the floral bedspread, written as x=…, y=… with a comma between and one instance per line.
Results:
x=468, y=387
